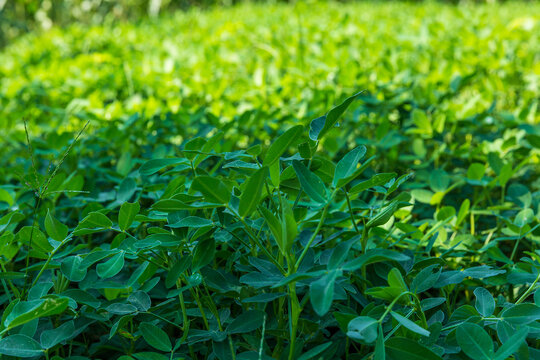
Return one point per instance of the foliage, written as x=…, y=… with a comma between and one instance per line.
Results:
x=225, y=215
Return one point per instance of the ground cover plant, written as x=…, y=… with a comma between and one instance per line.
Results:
x=369, y=192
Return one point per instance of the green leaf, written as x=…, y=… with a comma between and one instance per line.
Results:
x=141, y=300
x=93, y=222
x=511, y=345
x=153, y=166
x=383, y=215
x=192, y=222
x=399, y=348
x=127, y=214
x=395, y=279
x=321, y=292
x=39, y=240
x=251, y=195
x=311, y=183
x=439, y=180
x=376, y=180
x=55, y=229
x=247, y=322
x=346, y=167
x=289, y=227
x=281, y=144
x=476, y=171
x=213, y=189
x=50, y=338
x=409, y=324
x=485, y=304
x=521, y=314
x=21, y=346
x=421, y=121
x=474, y=341
x=320, y=126
x=111, y=267
x=524, y=217
x=155, y=337
x=275, y=227
x=72, y=269
x=363, y=329
x=126, y=189
x=379, y=353
x=310, y=354
x=26, y=311
x=425, y=279
x=204, y=253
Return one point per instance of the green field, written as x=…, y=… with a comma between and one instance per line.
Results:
x=171, y=187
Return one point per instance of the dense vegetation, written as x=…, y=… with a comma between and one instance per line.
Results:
x=309, y=181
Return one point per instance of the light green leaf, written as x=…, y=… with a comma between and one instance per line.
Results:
x=281, y=144
x=152, y=166
x=251, y=194
x=55, y=229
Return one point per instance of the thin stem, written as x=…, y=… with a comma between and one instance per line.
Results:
x=351, y=211
x=529, y=290
x=308, y=245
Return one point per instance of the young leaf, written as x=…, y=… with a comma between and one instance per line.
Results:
x=155, y=337
x=320, y=126
x=153, y=166
x=409, y=324
x=346, y=167
x=288, y=226
x=251, y=196
x=275, y=227
x=127, y=214
x=281, y=144
x=474, y=341
x=311, y=183
x=55, y=229
x=379, y=353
